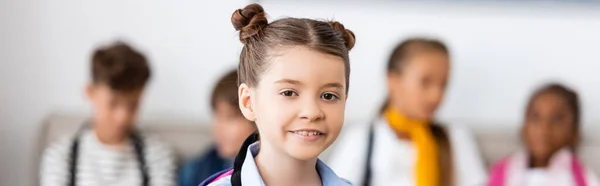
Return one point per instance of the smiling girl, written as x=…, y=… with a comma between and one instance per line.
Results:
x=293, y=83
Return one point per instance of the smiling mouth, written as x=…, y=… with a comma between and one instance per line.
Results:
x=307, y=133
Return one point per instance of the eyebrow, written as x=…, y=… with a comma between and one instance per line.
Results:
x=295, y=82
x=333, y=85
x=289, y=81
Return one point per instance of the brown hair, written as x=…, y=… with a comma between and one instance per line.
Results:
x=261, y=37
x=403, y=51
x=226, y=91
x=398, y=59
x=120, y=67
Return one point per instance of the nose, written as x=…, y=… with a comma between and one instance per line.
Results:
x=545, y=127
x=123, y=116
x=436, y=95
x=311, y=111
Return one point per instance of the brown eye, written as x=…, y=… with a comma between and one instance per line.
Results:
x=329, y=96
x=288, y=93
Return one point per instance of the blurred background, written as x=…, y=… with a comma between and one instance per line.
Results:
x=501, y=51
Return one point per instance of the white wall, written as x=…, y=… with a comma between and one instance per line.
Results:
x=44, y=52
x=500, y=54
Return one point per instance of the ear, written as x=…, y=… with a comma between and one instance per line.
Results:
x=245, y=102
x=393, y=81
x=522, y=133
x=89, y=91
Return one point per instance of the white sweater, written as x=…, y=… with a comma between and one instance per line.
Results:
x=393, y=160
x=102, y=165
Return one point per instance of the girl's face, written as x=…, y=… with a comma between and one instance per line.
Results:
x=418, y=89
x=549, y=126
x=299, y=102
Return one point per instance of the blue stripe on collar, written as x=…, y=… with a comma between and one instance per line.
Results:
x=251, y=176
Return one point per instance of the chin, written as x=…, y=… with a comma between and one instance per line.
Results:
x=540, y=153
x=305, y=152
x=123, y=128
x=426, y=117
x=226, y=154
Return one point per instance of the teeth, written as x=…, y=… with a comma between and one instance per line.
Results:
x=307, y=133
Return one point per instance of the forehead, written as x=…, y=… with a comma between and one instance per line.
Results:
x=429, y=60
x=304, y=64
x=119, y=94
x=549, y=100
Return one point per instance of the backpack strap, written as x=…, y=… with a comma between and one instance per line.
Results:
x=236, y=175
x=499, y=173
x=216, y=176
x=367, y=174
x=578, y=171
x=138, y=145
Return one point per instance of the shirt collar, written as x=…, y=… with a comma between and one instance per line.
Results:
x=251, y=176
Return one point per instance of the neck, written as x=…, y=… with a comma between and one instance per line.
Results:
x=109, y=136
x=277, y=168
x=539, y=162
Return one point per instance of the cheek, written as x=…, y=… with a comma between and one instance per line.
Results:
x=102, y=107
x=562, y=135
x=104, y=110
x=334, y=116
x=412, y=94
x=243, y=128
x=532, y=131
x=537, y=139
x=336, y=111
x=227, y=133
x=273, y=107
x=217, y=129
x=272, y=113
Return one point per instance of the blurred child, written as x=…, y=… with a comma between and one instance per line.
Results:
x=550, y=133
x=107, y=150
x=229, y=129
x=293, y=84
x=404, y=145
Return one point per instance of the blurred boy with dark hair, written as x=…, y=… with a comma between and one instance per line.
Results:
x=229, y=130
x=108, y=150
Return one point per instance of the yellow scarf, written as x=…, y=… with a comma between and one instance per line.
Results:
x=427, y=170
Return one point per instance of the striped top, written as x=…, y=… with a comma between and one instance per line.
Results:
x=102, y=165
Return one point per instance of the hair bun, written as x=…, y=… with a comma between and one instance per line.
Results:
x=348, y=35
x=249, y=21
